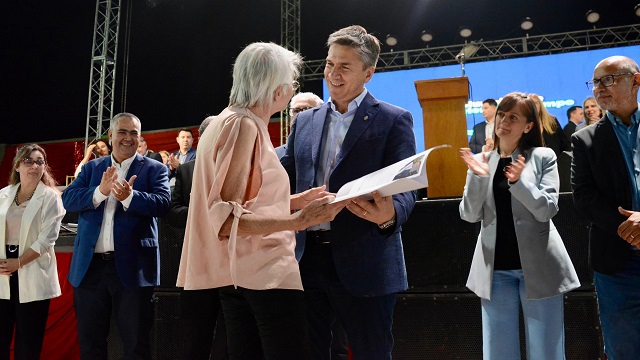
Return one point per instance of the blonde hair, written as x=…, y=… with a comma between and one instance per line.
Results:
x=547, y=120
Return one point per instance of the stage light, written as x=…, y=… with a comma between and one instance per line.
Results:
x=391, y=40
x=526, y=24
x=465, y=32
x=592, y=16
x=637, y=10
x=426, y=36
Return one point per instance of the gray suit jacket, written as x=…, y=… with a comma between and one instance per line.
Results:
x=547, y=268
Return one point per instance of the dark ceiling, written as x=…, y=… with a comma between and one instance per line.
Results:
x=180, y=51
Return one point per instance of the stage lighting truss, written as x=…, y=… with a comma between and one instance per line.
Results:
x=498, y=49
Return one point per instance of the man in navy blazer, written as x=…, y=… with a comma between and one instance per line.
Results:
x=115, y=257
x=606, y=190
x=185, y=154
x=354, y=265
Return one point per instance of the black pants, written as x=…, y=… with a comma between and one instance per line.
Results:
x=269, y=324
x=29, y=320
x=200, y=321
x=99, y=292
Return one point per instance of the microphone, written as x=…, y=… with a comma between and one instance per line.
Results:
x=460, y=57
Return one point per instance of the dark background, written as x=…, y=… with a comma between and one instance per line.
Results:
x=180, y=52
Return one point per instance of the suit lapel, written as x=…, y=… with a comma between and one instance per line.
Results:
x=318, y=122
x=365, y=115
x=30, y=212
x=136, y=166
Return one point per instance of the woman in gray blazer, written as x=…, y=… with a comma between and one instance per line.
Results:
x=519, y=257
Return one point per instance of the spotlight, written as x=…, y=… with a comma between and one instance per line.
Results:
x=391, y=40
x=637, y=9
x=426, y=36
x=592, y=16
x=526, y=24
x=465, y=32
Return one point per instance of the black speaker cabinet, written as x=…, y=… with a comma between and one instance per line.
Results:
x=170, y=240
x=449, y=326
x=438, y=245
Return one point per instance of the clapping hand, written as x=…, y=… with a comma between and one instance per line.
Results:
x=477, y=167
x=512, y=171
x=122, y=190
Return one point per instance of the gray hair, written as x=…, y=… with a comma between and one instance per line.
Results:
x=258, y=71
x=311, y=97
x=116, y=119
x=366, y=45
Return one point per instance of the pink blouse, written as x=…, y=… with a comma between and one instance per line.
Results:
x=256, y=262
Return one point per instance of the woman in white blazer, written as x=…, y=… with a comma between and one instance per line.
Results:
x=30, y=214
x=519, y=257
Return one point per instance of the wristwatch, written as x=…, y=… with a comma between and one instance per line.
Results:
x=387, y=224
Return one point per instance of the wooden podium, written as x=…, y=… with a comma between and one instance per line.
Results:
x=443, y=112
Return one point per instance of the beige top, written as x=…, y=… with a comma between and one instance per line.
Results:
x=255, y=262
x=14, y=219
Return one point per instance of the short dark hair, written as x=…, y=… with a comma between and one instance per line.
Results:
x=571, y=110
x=491, y=102
x=187, y=130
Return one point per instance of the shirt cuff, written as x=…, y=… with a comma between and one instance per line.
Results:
x=98, y=197
x=126, y=202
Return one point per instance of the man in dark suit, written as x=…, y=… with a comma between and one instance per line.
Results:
x=143, y=150
x=575, y=115
x=199, y=308
x=481, y=139
x=354, y=265
x=606, y=190
x=185, y=154
x=115, y=257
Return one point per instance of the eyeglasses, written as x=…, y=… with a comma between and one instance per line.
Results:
x=296, y=85
x=29, y=162
x=605, y=81
x=295, y=111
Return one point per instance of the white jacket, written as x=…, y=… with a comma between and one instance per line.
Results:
x=38, y=231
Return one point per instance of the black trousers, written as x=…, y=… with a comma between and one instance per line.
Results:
x=366, y=320
x=28, y=319
x=265, y=324
x=201, y=324
x=101, y=291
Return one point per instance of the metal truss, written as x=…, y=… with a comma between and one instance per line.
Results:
x=498, y=49
x=290, y=39
x=103, y=69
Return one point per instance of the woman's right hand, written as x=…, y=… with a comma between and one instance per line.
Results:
x=318, y=211
x=478, y=168
x=89, y=152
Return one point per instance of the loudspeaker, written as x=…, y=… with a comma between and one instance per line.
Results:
x=449, y=326
x=166, y=337
x=170, y=239
x=438, y=245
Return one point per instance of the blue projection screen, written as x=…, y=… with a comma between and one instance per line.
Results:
x=559, y=79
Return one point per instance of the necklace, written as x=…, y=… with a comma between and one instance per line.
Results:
x=15, y=199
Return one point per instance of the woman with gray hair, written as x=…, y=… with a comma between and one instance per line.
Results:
x=239, y=235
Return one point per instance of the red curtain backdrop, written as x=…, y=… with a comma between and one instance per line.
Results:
x=64, y=156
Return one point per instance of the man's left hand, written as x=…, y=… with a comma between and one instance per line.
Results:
x=629, y=230
x=122, y=190
x=379, y=211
